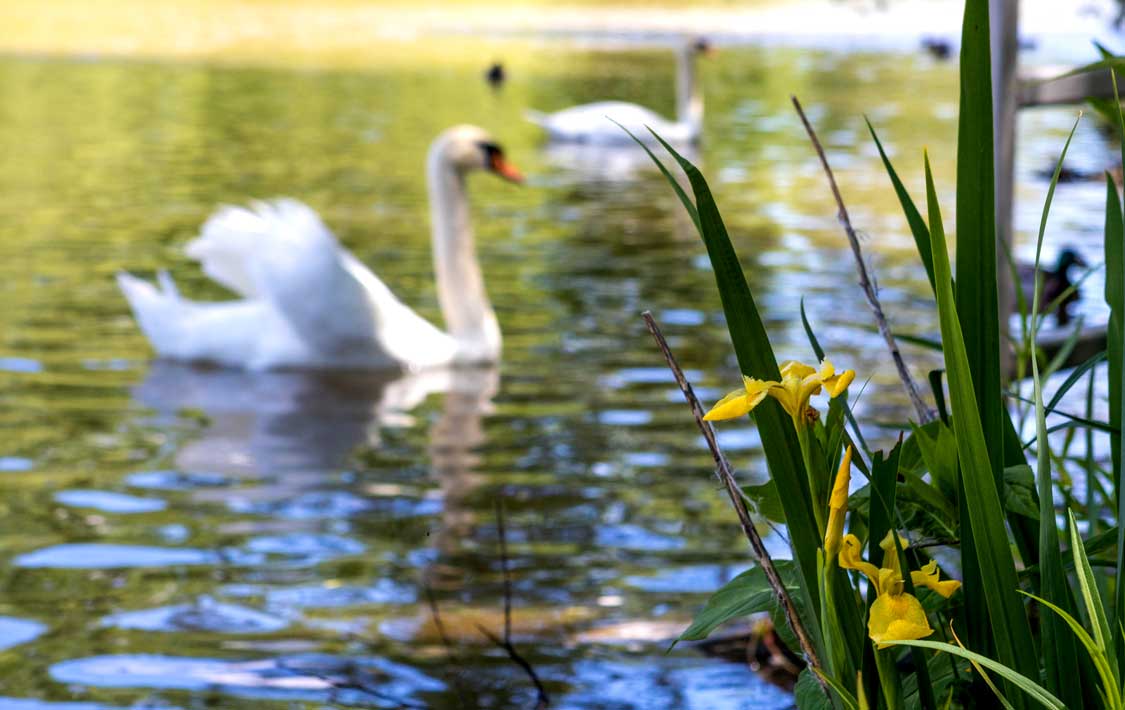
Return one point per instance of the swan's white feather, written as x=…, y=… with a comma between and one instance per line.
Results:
x=590, y=123
x=308, y=302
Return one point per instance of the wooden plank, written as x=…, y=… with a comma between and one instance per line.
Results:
x=1042, y=90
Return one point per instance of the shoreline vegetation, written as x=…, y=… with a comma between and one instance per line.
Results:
x=877, y=616
x=363, y=32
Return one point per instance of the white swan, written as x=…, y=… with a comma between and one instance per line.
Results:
x=309, y=303
x=588, y=123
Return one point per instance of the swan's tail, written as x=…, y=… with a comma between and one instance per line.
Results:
x=157, y=310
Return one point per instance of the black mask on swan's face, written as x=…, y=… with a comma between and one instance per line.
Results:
x=701, y=46
x=494, y=162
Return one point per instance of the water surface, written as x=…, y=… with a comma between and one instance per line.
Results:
x=179, y=537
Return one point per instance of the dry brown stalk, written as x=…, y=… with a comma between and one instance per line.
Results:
x=925, y=414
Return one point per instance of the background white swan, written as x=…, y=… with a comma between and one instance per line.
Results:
x=588, y=123
x=309, y=303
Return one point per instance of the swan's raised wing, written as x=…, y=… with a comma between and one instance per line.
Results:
x=282, y=253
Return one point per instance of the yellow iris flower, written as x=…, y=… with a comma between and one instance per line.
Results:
x=928, y=577
x=838, y=507
x=798, y=383
x=895, y=615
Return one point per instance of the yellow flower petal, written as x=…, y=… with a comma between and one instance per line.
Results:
x=890, y=553
x=735, y=404
x=838, y=384
x=827, y=369
x=839, y=497
x=754, y=388
x=897, y=617
x=838, y=507
x=851, y=552
x=928, y=577
x=799, y=370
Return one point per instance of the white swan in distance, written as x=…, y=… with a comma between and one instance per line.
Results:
x=588, y=123
x=306, y=302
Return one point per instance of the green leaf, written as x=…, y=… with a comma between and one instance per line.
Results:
x=1072, y=379
x=913, y=217
x=808, y=693
x=977, y=306
x=939, y=450
x=988, y=537
x=1059, y=652
x=1019, y=491
x=765, y=501
x=748, y=593
x=1091, y=598
x=1115, y=350
x=1097, y=654
x=684, y=200
x=1033, y=689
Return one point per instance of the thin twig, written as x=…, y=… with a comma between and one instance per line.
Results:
x=502, y=532
x=543, y=701
x=726, y=477
x=455, y=675
x=925, y=414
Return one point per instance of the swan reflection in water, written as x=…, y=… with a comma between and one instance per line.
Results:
x=290, y=432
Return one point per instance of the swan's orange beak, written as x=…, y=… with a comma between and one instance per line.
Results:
x=505, y=169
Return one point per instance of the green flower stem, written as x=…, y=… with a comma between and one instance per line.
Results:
x=815, y=487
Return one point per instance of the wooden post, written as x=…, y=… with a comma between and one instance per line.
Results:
x=1004, y=25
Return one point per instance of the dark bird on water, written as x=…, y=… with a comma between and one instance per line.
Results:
x=495, y=75
x=1055, y=283
x=938, y=47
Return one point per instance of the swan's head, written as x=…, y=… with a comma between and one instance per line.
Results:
x=468, y=148
x=700, y=45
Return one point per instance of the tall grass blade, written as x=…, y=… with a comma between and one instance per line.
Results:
x=981, y=500
x=913, y=216
x=1115, y=351
x=684, y=199
x=1073, y=378
x=1098, y=655
x=1016, y=679
x=1060, y=655
x=1091, y=599
x=756, y=358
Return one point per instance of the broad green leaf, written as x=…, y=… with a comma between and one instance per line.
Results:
x=808, y=693
x=765, y=501
x=997, y=582
x=939, y=450
x=748, y=593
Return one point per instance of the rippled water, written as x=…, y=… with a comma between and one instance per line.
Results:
x=177, y=537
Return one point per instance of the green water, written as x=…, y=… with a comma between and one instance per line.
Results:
x=188, y=538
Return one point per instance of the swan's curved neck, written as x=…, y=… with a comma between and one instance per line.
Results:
x=689, y=97
x=468, y=313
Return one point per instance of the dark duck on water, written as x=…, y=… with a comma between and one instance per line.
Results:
x=1055, y=283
